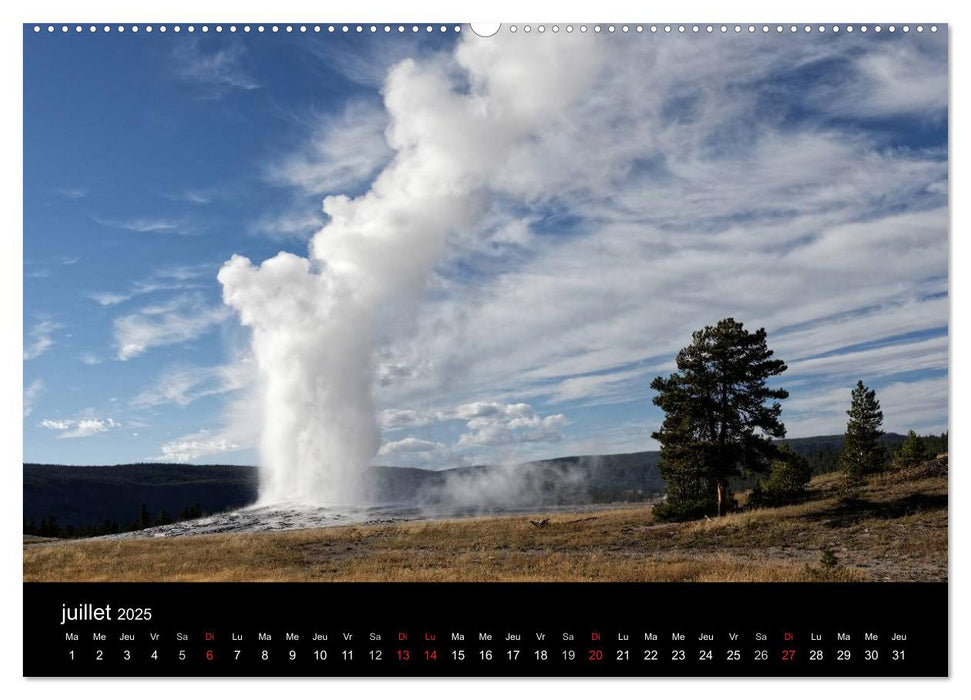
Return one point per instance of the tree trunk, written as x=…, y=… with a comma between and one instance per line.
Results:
x=722, y=496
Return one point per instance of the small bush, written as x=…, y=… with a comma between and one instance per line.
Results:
x=828, y=558
x=850, y=488
x=912, y=451
x=669, y=510
x=688, y=497
x=785, y=483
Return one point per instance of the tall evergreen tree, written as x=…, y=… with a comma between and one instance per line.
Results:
x=717, y=421
x=862, y=453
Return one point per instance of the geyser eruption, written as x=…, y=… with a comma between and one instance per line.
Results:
x=453, y=126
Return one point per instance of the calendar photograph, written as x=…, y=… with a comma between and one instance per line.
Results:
x=521, y=304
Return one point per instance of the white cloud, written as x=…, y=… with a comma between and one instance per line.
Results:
x=56, y=424
x=145, y=225
x=411, y=444
x=187, y=450
x=368, y=64
x=238, y=430
x=166, y=279
x=89, y=358
x=515, y=429
x=80, y=427
x=393, y=418
x=884, y=320
x=110, y=298
x=607, y=387
x=892, y=78
x=32, y=393
x=219, y=71
x=929, y=354
x=346, y=150
x=72, y=192
x=915, y=405
x=183, y=319
x=40, y=339
x=182, y=385
x=489, y=423
x=493, y=424
x=199, y=197
x=296, y=223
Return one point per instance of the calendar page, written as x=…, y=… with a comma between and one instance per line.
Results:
x=443, y=349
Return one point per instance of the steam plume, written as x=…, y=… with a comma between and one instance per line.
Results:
x=312, y=318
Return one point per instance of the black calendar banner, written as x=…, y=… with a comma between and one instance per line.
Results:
x=479, y=629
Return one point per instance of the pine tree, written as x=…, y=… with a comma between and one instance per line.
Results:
x=912, y=451
x=144, y=519
x=861, y=453
x=786, y=482
x=191, y=512
x=717, y=422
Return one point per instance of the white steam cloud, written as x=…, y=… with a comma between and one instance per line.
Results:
x=453, y=126
x=510, y=485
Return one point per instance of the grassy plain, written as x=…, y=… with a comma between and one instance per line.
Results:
x=895, y=529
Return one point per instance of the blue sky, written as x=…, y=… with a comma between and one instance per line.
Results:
x=794, y=182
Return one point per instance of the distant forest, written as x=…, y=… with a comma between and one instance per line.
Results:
x=49, y=527
x=69, y=501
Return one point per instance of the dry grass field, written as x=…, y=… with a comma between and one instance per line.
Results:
x=895, y=530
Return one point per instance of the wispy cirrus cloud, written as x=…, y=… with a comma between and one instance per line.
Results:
x=298, y=222
x=40, y=339
x=159, y=225
x=891, y=79
x=90, y=358
x=344, y=151
x=182, y=385
x=175, y=278
x=218, y=71
x=180, y=320
x=32, y=392
x=199, y=197
x=72, y=193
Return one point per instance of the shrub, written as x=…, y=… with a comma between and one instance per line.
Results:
x=688, y=498
x=786, y=481
x=828, y=558
x=912, y=451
